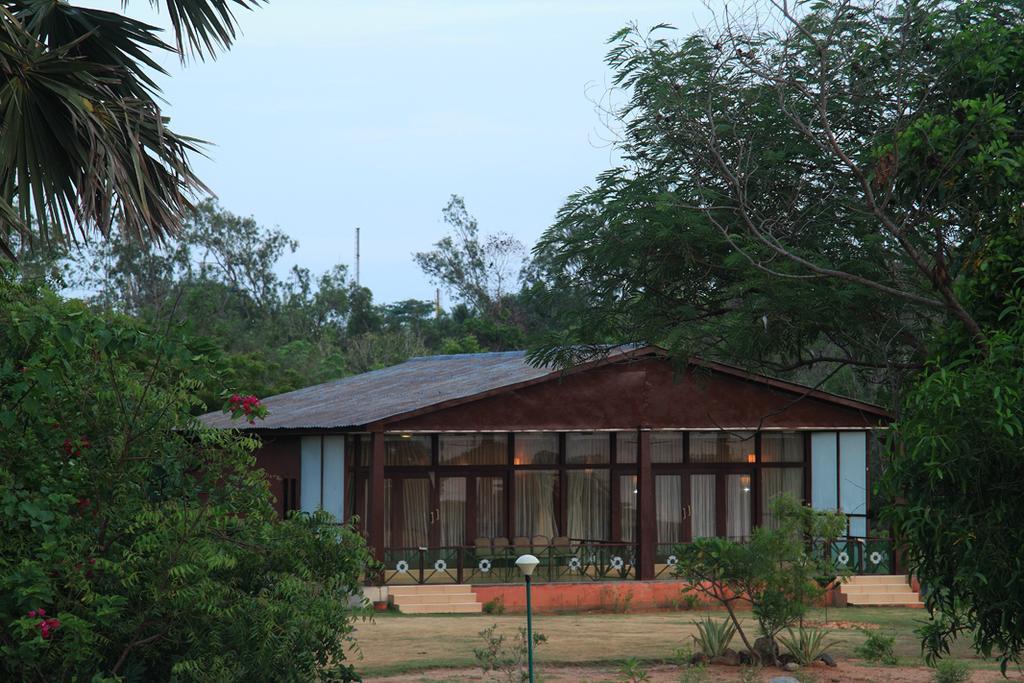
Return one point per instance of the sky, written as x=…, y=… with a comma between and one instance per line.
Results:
x=332, y=114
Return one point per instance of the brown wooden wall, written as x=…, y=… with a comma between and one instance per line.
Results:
x=644, y=393
x=280, y=457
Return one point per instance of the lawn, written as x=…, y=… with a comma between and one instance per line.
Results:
x=597, y=643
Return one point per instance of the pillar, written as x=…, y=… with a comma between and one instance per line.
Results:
x=648, y=528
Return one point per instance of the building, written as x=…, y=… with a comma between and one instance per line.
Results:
x=455, y=463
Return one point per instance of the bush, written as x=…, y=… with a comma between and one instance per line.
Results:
x=806, y=645
x=506, y=662
x=951, y=671
x=713, y=637
x=776, y=571
x=632, y=671
x=137, y=543
x=495, y=606
x=877, y=647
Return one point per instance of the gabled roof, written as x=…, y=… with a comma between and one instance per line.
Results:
x=428, y=383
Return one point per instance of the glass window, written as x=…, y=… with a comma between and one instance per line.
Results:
x=587, y=448
x=722, y=446
x=589, y=513
x=668, y=504
x=406, y=449
x=540, y=448
x=627, y=507
x=358, y=445
x=625, y=447
x=490, y=507
x=776, y=481
x=536, y=491
x=782, y=447
x=667, y=447
x=738, y=495
x=473, y=449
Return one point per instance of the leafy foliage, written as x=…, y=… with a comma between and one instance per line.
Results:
x=149, y=539
x=714, y=636
x=951, y=671
x=505, y=662
x=877, y=647
x=775, y=572
x=85, y=139
x=806, y=644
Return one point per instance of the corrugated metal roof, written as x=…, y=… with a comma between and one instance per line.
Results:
x=380, y=394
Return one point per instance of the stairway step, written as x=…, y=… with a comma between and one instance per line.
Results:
x=429, y=589
x=440, y=599
x=450, y=608
x=877, y=588
x=883, y=599
x=877, y=578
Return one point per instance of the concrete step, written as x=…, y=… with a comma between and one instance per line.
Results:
x=877, y=578
x=450, y=608
x=432, y=589
x=440, y=599
x=877, y=588
x=883, y=599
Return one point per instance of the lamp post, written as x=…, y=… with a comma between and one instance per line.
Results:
x=526, y=564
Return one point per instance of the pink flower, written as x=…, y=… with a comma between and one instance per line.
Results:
x=32, y=613
x=42, y=612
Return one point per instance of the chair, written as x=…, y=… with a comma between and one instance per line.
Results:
x=540, y=543
x=500, y=543
x=560, y=542
x=483, y=544
x=521, y=544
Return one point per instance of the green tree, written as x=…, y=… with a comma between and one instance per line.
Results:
x=138, y=544
x=85, y=138
x=834, y=189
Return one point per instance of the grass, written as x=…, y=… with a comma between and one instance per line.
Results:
x=395, y=644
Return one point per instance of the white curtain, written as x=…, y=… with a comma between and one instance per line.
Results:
x=536, y=448
x=415, y=512
x=667, y=446
x=782, y=447
x=702, y=506
x=406, y=449
x=587, y=448
x=668, y=504
x=589, y=504
x=535, y=503
x=473, y=449
x=490, y=507
x=738, y=494
x=452, y=499
x=721, y=446
x=774, y=482
x=627, y=506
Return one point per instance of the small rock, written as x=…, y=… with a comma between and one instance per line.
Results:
x=745, y=657
x=728, y=658
x=791, y=666
x=785, y=658
x=783, y=679
x=827, y=659
x=766, y=650
x=698, y=659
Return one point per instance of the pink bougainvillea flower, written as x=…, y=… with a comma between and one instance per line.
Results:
x=32, y=613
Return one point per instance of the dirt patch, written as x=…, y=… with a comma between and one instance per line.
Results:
x=841, y=625
x=846, y=672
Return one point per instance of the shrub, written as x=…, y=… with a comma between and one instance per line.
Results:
x=951, y=671
x=632, y=672
x=505, y=662
x=806, y=645
x=713, y=637
x=495, y=606
x=776, y=571
x=145, y=543
x=877, y=647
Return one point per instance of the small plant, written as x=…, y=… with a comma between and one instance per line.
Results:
x=495, y=606
x=951, y=671
x=632, y=672
x=690, y=601
x=505, y=662
x=694, y=674
x=713, y=637
x=806, y=645
x=683, y=656
x=877, y=648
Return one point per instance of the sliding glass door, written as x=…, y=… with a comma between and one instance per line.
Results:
x=702, y=505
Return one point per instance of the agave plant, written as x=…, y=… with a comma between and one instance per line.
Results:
x=806, y=645
x=713, y=637
x=82, y=136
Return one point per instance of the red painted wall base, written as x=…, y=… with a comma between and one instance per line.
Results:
x=617, y=596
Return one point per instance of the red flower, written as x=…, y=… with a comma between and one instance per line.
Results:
x=42, y=612
x=32, y=613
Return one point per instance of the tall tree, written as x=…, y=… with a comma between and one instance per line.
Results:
x=836, y=185
x=84, y=136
